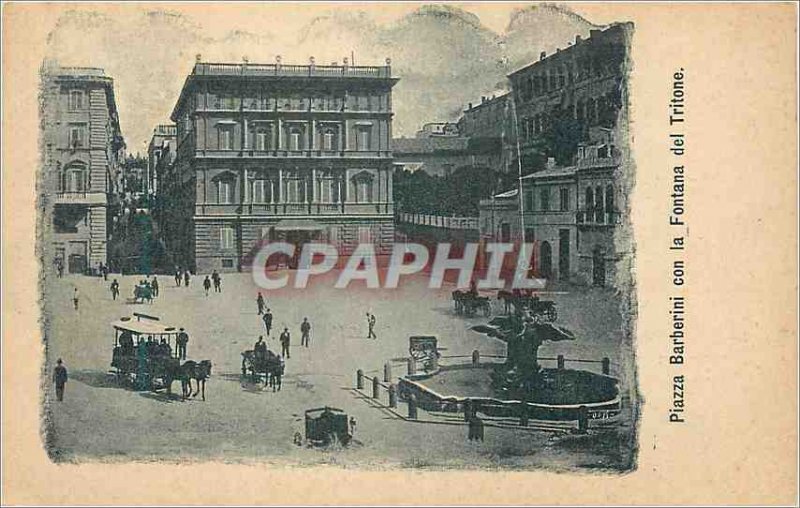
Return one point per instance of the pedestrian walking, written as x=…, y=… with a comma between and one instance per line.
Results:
x=371, y=325
x=260, y=303
x=75, y=298
x=285, y=339
x=182, y=340
x=60, y=267
x=178, y=276
x=305, y=332
x=114, y=289
x=217, y=282
x=207, y=284
x=154, y=286
x=475, y=428
x=186, y=278
x=60, y=379
x=104, y=271
x=268, y=321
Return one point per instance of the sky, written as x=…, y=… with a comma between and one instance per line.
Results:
x=446, y=56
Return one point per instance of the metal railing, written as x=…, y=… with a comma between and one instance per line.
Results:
x=248, y=69
x=439, y=221
x=598, y=218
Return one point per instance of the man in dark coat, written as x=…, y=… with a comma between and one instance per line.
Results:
x=60, y=379
x=154, y=286
x=186, y=278
x=260, y=303
x=268, y=321
x=182, y=340
x=206, y=284
x=217, y=282
x=305, y=332
x=286, y=339
x=114, y=289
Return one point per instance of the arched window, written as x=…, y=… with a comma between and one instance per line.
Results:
x=609, y=198
x=328, y=187
x=328, y=139
x=263, y=138
x=588, y=201
x=295, y=184
x=75, y=178
x=363, y=187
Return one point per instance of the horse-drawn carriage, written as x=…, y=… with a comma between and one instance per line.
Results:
x=264, y=362
x=327, y=425
x=144, y=357
x=468, y=303
x=526, y=301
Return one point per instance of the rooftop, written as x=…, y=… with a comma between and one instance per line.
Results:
x=278, y=69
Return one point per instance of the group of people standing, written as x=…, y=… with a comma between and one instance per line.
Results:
x=217, y=278
x=182, y=275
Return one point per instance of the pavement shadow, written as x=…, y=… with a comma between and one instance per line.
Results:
x=97, y=379
x=163, y=397
x=246, y=383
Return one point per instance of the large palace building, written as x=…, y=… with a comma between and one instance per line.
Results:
x=81, y=145
x=273, y=152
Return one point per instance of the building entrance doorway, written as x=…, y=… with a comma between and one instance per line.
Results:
x=78, y=261
x=598, y=268
x=545, y=260
x=563, y=254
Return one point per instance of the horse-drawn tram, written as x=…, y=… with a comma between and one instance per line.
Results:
x=145, y=352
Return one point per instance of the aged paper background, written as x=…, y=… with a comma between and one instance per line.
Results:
x=740, y=442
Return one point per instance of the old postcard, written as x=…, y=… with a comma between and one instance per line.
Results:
x=409, y=253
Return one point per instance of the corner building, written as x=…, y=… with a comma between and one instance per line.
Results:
x=272, y=152
x=82, y=146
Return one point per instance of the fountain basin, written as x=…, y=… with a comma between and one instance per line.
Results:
x=564, y=393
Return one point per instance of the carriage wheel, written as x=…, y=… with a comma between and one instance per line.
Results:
x=552, y=314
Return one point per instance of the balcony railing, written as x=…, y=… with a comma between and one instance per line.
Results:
x=273, y=154
x=242, y=69
x=598, y=162
x=295, y=209
x=439, y=221
x=597, y=218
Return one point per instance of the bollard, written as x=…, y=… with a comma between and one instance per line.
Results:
x=583, y=419
x=376, y=388
x=467, y=410
x=387, y=372
x=412, y=407
x=412, y=368
x=392, y=395
x=360, y=379
x=560, y=362
x=606, y=366
x=476, y=358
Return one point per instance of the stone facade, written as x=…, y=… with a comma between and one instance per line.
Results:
x=279, y=152
x=82, y=146
x=571, y=215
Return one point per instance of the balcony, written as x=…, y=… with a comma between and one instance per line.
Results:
x=294, y=154
x=597, y=218
x=598, y=162
x=80, y=198
x=332, y=71
x=295, y=209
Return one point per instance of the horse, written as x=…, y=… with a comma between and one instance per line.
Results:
x=199, y=371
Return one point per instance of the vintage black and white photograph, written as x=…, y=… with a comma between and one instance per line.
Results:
x=340, y=235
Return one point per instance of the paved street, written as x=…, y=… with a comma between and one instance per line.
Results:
x=240, y=421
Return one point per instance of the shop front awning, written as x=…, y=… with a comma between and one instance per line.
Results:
x=298, y=225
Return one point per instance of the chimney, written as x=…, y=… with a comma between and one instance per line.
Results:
x=198, y=57
x=577, y=39
x=470, y=105
x=594, y=33
x=558, y=50
x=551, y=162
x=542, y=55
x=483, y=99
